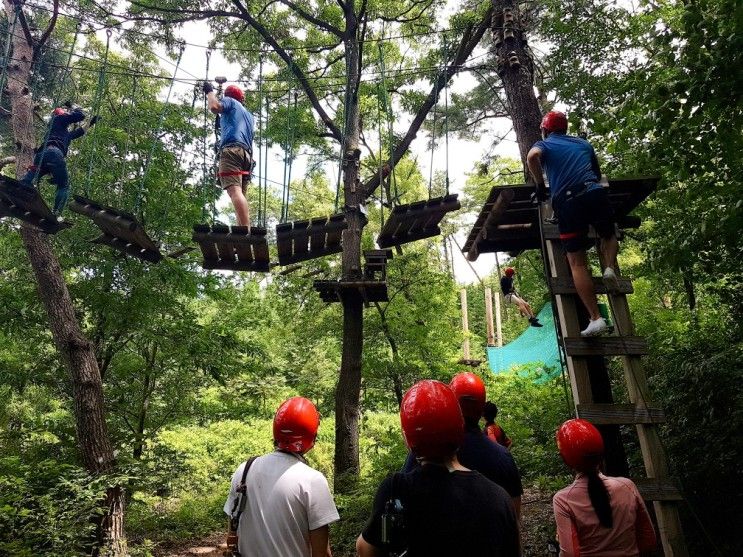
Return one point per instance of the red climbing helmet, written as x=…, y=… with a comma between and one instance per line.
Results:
x=432, y=423
x=470, y=392
x=295, y=425
x=555, y=121
x=510, y=271
x=58, y=111
x=233, y=91
x=580, y=444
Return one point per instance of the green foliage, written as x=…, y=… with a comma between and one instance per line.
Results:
x=46, y=507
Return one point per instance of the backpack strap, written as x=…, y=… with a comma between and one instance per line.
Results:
x=242, y=495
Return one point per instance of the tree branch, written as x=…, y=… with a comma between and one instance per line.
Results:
x=286, y=57
x=470, y=39
x=48, y=31
x=24, y=23
x=324, y=25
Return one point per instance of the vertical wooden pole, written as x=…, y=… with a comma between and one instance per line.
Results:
x=465, y=325
x=498, y=327
x=489, y=315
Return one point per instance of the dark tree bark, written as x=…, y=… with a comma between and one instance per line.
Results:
x=74, y=349
x=515, y=68
x=348, y=390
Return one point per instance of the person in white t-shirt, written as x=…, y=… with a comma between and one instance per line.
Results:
x=288, y=505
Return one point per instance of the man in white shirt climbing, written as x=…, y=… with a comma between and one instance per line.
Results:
x=283, y=506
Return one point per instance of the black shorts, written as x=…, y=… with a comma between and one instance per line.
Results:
x=576, y=213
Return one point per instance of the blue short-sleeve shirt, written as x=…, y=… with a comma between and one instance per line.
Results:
x=237, y=124
x=567, y=160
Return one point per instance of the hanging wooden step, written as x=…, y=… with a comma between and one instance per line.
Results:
x=310, y=238
x=232, y=248
x=565, y=285
x=415, y=221
x=470, y=363
x=620, y=414
x=658, y=489
x=335, y=290
x=120, y=230
x=376, y=262
x=26, y=204
x=605, y=346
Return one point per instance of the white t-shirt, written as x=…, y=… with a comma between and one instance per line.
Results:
x=286, y=499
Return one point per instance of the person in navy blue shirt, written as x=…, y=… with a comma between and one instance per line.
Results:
x=579, y=200
x=512, y=297
x=51, y=156
x=235, y=146
x=477, y=451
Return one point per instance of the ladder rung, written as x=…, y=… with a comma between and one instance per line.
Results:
x=620, y=414
x=564, y=285
x=605, y=346
x=658, y=489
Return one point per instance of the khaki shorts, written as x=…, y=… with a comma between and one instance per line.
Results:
x=513, y=299
x=234, y=167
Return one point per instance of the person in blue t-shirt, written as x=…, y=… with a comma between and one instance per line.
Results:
x=235, y=146
x=50, y=157
x=579, y=200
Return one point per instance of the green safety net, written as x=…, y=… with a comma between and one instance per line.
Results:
x=536, y=347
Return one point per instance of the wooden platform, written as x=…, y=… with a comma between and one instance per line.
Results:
x=27, y=205
x=308, y=239
x=120, y=230
x=508, y=221
x=415, y=221
x=232, y=248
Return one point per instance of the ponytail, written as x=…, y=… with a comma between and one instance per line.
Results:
x=599, y=497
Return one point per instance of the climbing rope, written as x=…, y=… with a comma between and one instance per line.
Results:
x=6, y=53
x=265, y=169
x=381, y=146
x=390, y=131
x=446, y=118
x=161, y=120
x=288, y=155
x=204, y=172
x=261, y=216
x=96, y=109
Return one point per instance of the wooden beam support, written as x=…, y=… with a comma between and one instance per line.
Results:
x=565, y=285
x=620, y=414
x=499, y=207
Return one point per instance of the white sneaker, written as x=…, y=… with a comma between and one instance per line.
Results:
x=610, y=279
x=595, y=328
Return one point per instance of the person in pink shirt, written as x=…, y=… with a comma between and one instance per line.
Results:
x=597, y=514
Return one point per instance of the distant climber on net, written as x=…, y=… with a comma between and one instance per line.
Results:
x=512, y=297
x=235, y=146
x=494, y=431
x=579, y=200
x=51, y=156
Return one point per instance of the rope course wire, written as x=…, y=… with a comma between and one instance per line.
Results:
x=161, y=120
x=96, y=109
x=319, y=46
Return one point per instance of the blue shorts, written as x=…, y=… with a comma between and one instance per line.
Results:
x=576, y=212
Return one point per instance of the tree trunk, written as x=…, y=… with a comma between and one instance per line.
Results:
x=74, y=349
x=515, y=67
x=348, y=390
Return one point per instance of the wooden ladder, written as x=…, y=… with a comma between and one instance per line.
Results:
x=657, y=487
